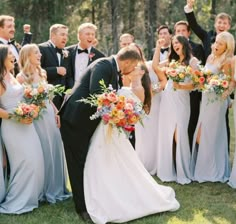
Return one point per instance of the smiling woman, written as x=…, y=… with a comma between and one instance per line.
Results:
x=210, y=158
x=173, y=148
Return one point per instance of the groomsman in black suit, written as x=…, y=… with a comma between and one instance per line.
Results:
x=182, y=28
x=7, y=32
x=55, y=59
x=164, y=32
x=76, y=126
x=83, y=53
x=222, y=23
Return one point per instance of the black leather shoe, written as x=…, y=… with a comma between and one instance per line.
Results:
x=85, y=216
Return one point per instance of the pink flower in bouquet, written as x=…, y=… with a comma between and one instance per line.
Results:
x=128, y=106
x=112, y=97
x=201, y=80
x=106, y=118
x=225, y=84
x=171, y=73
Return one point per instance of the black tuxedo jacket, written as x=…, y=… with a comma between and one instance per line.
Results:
x=207, y=38
x=73, y=51
x=49, y=62
x=77, y=114
x=198, y=51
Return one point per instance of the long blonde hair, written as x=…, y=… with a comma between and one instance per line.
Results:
x=228, y=39
x=26, y=67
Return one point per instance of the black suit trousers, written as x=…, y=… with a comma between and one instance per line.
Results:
x=76, y=144
x=195, y=99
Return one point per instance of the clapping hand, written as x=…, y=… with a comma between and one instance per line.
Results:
x=26, y=28
x=190, y=3
x=160, y=43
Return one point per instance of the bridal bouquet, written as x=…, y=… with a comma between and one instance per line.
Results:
x=179, y=73
x=23, y=111
x=118, y=111
x=40, y=93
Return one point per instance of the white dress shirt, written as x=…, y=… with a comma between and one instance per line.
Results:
x=81, y=62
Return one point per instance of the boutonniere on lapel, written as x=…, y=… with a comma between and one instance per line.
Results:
x=65, y=53
x=91, y=55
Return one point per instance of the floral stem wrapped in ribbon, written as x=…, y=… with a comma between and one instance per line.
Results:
x=117, y=111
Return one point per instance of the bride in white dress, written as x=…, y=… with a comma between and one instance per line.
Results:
x=117, y=186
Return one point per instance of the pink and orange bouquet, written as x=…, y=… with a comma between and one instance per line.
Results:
x=116, y=110
x=179, y=73
x=201, y=77
x=217, y=83
x=40, y=93
x=23, y=111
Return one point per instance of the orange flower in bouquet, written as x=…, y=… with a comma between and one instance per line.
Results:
x=118, y=111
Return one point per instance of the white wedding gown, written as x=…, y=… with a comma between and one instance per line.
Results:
x=117, y=186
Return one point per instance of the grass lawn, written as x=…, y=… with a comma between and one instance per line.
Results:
x=207, y=203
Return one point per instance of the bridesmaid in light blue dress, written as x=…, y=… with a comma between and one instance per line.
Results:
x=173, y=152
x=23, y=147
x=47, y=128
x=232, y=178
x=210, y=159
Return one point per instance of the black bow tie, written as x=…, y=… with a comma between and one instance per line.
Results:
x=164, y=49
x=81, y=51
x=58, y=50
x=11, y=42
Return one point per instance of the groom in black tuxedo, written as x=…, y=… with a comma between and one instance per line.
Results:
x=55, y=59
x=76, y=126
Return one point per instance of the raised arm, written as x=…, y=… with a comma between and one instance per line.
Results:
x=158, y=67
x=196, y=28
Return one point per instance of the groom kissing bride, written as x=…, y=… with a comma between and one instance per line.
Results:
x=79, y=135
